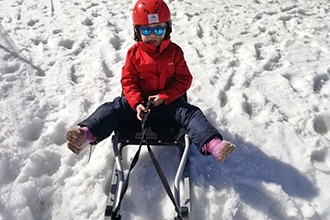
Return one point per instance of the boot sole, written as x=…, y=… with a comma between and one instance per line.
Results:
x=75, y=139
x=226, y=152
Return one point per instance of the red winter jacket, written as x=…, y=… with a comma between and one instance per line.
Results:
x=150, y=71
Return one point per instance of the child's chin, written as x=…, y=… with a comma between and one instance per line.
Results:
x=153, y=42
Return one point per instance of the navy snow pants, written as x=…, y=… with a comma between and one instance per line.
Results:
x=109, y=115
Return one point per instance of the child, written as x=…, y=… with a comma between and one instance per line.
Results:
x=155, y=70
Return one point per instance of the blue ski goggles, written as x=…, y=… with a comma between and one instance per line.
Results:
x=158, y=31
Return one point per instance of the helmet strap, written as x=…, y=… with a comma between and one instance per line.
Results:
x=137, y=34
x=168, y=30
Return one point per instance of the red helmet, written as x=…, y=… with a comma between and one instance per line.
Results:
x=150, y=12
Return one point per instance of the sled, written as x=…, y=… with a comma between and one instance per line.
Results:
x=156, y=130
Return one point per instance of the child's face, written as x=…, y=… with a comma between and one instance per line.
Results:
x=156, y=33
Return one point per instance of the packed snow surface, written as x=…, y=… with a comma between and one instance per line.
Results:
x=261, y=75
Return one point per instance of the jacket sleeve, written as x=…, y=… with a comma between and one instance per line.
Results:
x=182, y=80
x=129, y=82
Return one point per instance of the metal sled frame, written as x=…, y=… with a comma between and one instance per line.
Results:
x=182, y=174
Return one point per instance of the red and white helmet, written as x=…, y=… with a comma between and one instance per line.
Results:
x=150, y=12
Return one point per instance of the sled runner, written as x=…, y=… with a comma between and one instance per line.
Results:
x=156, y=130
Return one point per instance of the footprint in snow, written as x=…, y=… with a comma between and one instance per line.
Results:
x=321, y=160
x=320, y=81
x=321, y=124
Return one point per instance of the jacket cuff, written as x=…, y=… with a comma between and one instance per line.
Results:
x=165, y=98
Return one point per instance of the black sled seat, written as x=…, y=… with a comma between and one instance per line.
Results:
x=158, y=130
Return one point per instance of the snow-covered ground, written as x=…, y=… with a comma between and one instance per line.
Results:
x=261, y=74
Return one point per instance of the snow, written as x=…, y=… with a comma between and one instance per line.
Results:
x=261, y=75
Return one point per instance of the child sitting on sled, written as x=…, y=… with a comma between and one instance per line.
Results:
x=155, y=69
